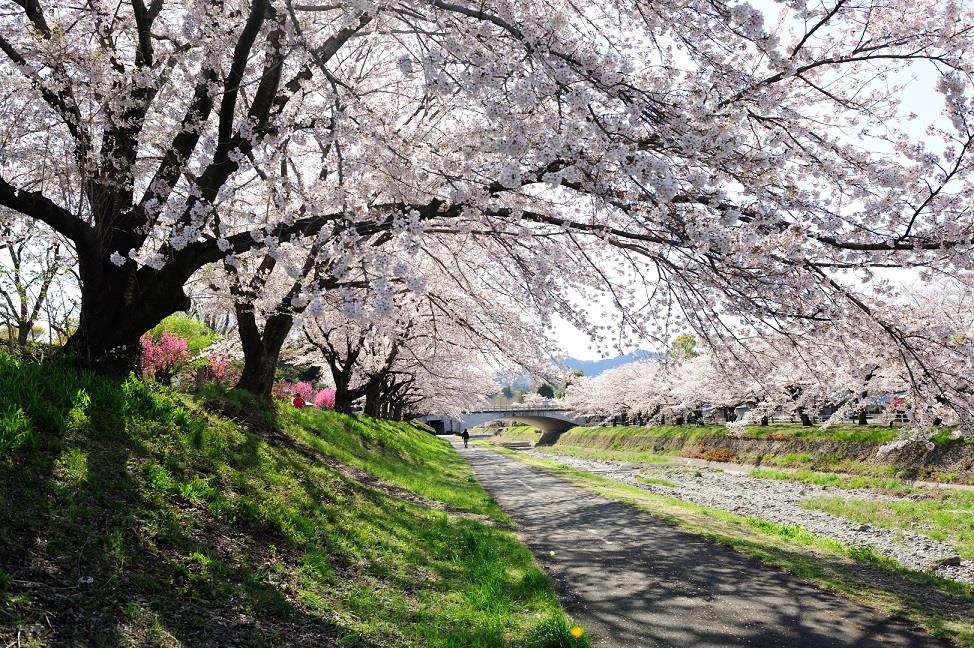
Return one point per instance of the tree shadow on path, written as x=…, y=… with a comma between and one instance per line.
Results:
x=636, y=581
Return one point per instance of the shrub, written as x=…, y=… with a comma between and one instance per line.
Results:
x=198, y=335
x=162, y=358
x=216, y=369
x=305, y=390
x=325, y=398
x=708, y=454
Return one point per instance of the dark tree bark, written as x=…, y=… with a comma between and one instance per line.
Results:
x=340, y=364
x=116, y=310
x=261, y=350
x=862, y=420
x=119, y=304
x=373, y=397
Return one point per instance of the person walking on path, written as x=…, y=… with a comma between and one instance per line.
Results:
x=465, y=436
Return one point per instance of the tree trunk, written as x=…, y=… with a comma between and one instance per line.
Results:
x=342, y=377
x=343, y=399
x=200, y=380
x=23, y=333
x=764, y=421
x=806, y=419
x=116, y=311
x=862, y=417
x=373, y=399
x=258, y=372
x=261, y=351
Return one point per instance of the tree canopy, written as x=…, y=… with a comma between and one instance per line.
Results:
x=695, y=164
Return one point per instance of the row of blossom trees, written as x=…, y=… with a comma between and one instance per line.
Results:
x=844, y=376
x=689, y=162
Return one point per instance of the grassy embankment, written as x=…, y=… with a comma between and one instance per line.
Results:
x=514, y=433
x=777, y=431
x=943, y=608
x=136, y=516
x=791, y=445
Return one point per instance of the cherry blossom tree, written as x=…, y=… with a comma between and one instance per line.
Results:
x=846, y=372
x=697, y=163
x=429, y=348
x=35, y=281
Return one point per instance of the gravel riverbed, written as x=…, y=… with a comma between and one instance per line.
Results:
x=779, y=501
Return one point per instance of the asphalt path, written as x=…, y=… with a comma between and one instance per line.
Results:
x=632, y=580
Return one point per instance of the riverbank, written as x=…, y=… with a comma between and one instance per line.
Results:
x=800, y=503
x=849, y=449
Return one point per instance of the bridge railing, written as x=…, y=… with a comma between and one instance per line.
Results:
x=518, y=408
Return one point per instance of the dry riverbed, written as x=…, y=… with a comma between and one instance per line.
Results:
x=780, y=501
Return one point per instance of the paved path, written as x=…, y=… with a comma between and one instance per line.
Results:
x=632, y=580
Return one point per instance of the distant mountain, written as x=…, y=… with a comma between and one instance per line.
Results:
x=595, y=367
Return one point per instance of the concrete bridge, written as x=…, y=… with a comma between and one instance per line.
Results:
x=549, y=419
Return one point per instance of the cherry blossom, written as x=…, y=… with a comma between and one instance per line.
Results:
x=694, y=164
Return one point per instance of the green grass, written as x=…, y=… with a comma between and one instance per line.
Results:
x=655, y=481
x=160, y=522
x=942, y=607
x=850, y=482
x=517, y=433
x=844, y=433
x=825, y=451
x=947, y=516
x=832, y=463
x=629, y=456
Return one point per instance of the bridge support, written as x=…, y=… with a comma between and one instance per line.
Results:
x=550, y=437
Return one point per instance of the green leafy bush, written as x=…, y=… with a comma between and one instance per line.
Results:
x=198, y=335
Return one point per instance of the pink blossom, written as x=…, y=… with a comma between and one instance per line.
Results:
x=161, y=359
x=217, y=367
x=325, y=398
x=303, y=389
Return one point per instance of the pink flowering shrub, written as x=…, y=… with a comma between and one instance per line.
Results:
x=216, y=369
x=162, y=358
x=303, y=389
x=325, y=399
